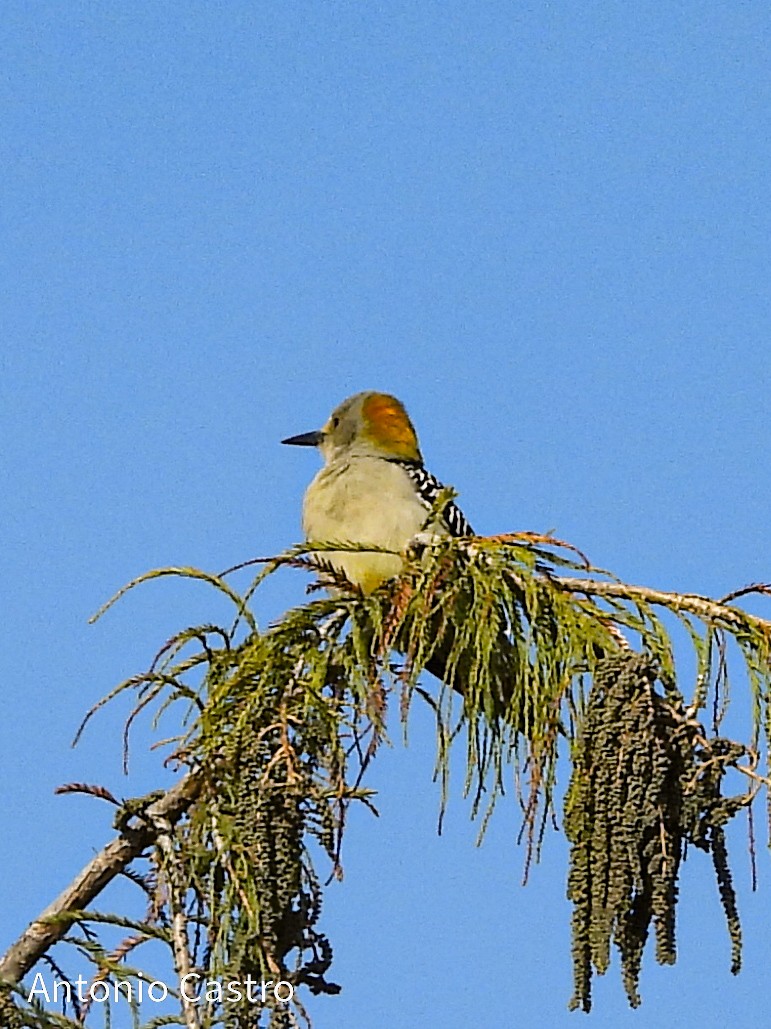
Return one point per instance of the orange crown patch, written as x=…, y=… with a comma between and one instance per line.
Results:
x=389, y=426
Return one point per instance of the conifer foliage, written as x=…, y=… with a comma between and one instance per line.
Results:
x=544, y=659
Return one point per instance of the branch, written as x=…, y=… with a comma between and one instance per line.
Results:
x=176, y=887
x=704, y=608
x=53, y=923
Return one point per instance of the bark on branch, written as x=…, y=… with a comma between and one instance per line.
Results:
x=49, y=927
x=702, y=607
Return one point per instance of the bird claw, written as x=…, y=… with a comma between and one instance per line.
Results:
x=424, y=539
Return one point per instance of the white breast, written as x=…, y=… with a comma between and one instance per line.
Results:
x=363, y=500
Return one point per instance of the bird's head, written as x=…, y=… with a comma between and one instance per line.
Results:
x=366, y=423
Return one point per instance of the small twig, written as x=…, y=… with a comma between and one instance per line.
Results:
x=762, y=779
x=751, y=834
x=227, y=864
x=180, y=943
x=764, y=588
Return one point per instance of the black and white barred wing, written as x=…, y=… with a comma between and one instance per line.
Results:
x=428, y=488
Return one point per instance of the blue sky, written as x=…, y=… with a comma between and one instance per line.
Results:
x=544, y=226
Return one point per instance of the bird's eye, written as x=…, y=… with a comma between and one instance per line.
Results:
x=335, y=422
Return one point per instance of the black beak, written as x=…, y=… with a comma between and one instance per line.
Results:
x=305, y=439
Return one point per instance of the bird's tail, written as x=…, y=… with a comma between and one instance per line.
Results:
x=494, y=685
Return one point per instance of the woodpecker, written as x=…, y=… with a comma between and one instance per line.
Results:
x=373, y=488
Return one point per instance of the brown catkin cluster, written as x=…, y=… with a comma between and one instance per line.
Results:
x=10, y=1016
x=275, y=803
x=645, y=783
